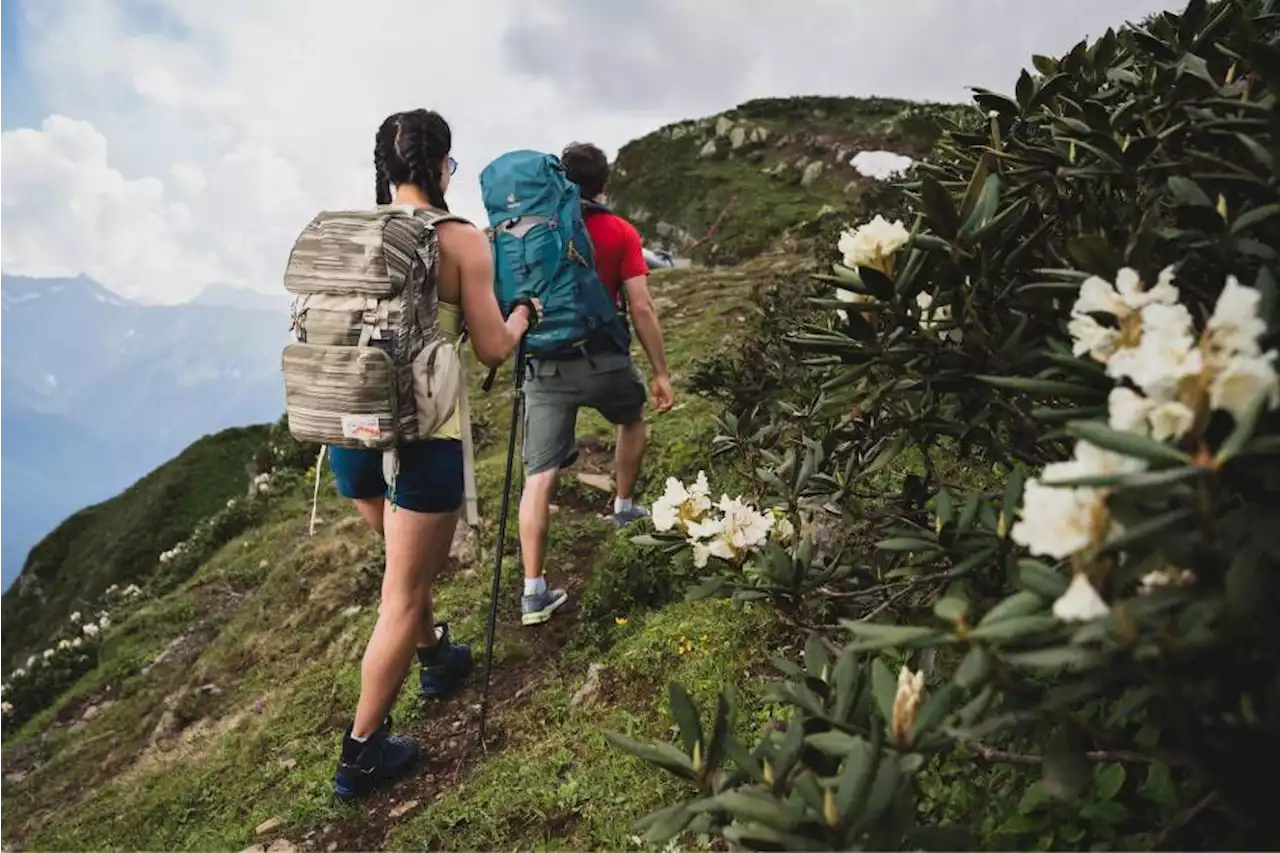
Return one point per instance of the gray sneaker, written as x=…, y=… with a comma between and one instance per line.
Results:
x=637, y=512
x=536, y=609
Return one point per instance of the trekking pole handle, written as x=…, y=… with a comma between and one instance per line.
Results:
x=535, y=316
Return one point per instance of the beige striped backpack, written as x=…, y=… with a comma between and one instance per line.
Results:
x=368, y=366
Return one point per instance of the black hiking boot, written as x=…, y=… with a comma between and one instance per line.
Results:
x=444, y=667
x=381, y=758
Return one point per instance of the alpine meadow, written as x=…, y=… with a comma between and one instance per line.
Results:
x=963, y=528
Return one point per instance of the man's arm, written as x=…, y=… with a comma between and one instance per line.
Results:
x=644, y=316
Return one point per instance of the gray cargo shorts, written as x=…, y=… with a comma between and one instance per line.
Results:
x=555, y=390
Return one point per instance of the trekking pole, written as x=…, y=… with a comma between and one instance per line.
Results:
x=502, y=536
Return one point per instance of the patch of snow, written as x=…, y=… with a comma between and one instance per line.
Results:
x=880, y=165
x=21, y=297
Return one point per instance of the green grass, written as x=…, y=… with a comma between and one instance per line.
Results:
x=559, y=784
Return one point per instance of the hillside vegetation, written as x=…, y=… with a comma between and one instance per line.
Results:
x=981, y=560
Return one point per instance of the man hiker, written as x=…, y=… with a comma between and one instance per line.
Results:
x=600, y=376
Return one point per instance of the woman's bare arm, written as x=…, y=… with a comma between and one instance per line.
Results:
x=492, y=337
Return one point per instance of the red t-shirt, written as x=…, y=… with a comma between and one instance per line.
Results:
x=617, y=249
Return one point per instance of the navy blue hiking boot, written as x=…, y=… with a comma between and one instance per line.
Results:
x=626, y=516
x=444, y=667
x=380, y=758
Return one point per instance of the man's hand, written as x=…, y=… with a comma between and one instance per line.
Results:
x=660, y=389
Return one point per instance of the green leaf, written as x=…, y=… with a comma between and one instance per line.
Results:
x=1046, y=65
x=1110, y=781
x=753, y=805
x=1137, y=480
x=1195, y=66
x=1258, y=150
x=1150, y=527
x=1062, y=657
x=1243, y=430
x=1012, y=497
x=1066, y=770
x=860, y=765
x=644, y=540
x=707, y=589
x=903, y=543
x=1187, y=192
x=1041, y=579
x=1126, y=443
x=1025, y=90
x=1015, y=627
x=1159, y=788
x=974, y=669
x=662, y=754
x=944, y=507
x=1022, y=603
x=937, y=705
x=880, y=285
x=1094, y=255
x=938, y=206
x=1042, y=387
x=969, y=512
x=949, y=609
x=984, y=209
x=1254, y=217
x=832, y=742
x=876, y=635
x=884, y=686
x=661, y=826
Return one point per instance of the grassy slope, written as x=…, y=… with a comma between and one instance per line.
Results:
x=118, y=541
x=262, y=668
x=661, y=177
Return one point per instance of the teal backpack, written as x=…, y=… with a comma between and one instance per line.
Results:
x=541, y=248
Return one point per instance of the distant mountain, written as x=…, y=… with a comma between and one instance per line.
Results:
x=230, y=296
x=98, y=390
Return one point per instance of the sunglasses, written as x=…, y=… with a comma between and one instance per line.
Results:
x=453, y=166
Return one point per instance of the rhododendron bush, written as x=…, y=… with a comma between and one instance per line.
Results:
x=1034, y=471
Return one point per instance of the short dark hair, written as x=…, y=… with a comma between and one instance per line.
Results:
x=587, y=167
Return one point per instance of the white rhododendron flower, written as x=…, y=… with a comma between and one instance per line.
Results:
x=680, y=505
x=91, y=630
x=1127, y=410
x=1170, y=420
x=49, y=653
x=873, y=244
x=1242, y=380
x=132, y=591
x=1058, y=521
x=104, y=622
x=77, y=643
x=19, y=672
x=1099, y=296
x=6, y=709
x=33, y=660
x=1234, y=327
x=850, y=296
x=1090, y=336
x=64, y=645
x=1080, y=603
x=1170, y=577
x=75, y=617
x=1164, y=355
x=931, y=317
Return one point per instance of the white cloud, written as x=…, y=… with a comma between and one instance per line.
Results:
x=231, y=123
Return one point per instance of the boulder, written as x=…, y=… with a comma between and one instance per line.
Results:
x=708, y=150
x=724, y=125
x=737, y=137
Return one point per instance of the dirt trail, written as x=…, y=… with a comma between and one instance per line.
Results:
x=449, y=735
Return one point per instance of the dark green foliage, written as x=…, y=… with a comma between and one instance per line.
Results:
x=120, y=540
x=1153, y=146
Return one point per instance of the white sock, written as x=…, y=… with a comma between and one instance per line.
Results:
x=535, y=586
x=623, y=504
x=359, y=739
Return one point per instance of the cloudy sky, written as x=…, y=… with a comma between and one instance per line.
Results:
x=159, y=146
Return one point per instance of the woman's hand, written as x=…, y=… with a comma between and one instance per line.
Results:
x=527, y=314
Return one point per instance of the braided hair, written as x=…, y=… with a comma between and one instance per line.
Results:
x=409, y=149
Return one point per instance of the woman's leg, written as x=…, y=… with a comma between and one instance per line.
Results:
x=417, y=549
x=372, y=509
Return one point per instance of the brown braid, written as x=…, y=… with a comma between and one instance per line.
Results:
x=408, y=149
